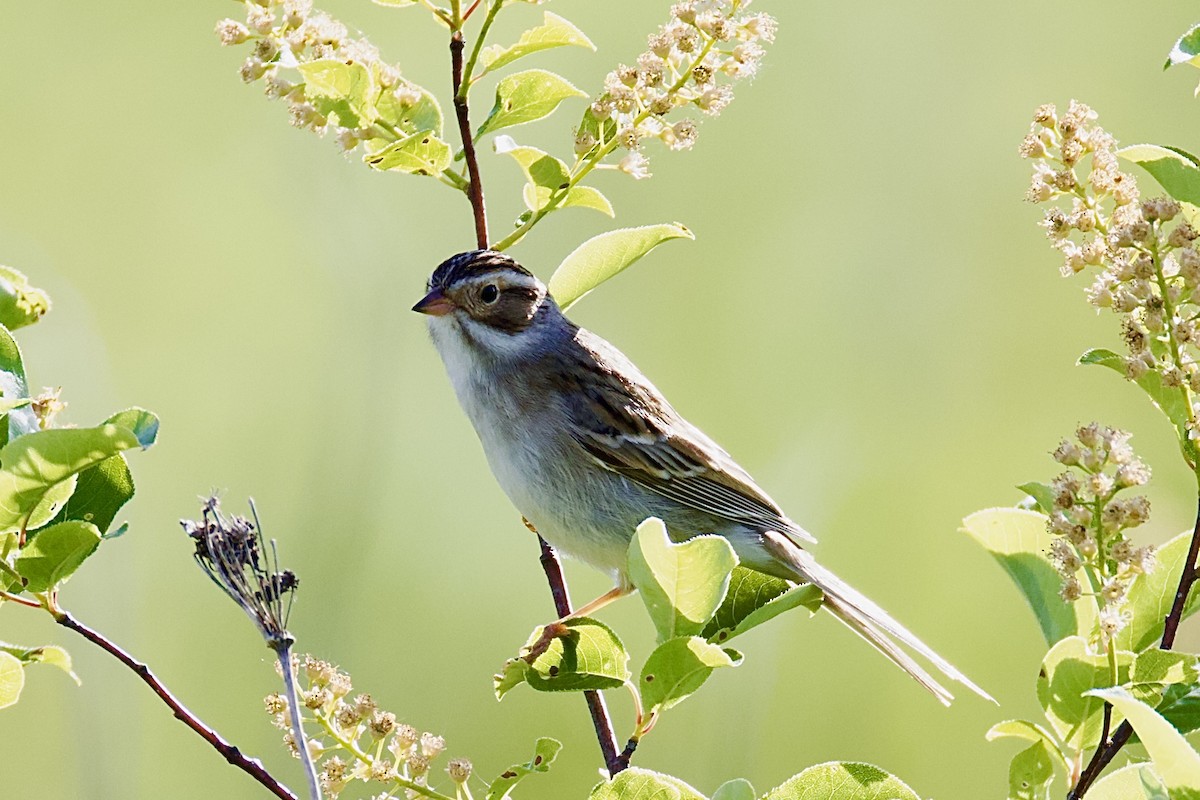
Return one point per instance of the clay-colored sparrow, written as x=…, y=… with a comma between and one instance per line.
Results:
x=586, y=448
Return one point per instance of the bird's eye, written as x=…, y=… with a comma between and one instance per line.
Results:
x=490, y=293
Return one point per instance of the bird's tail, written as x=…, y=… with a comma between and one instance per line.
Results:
x=869, y=621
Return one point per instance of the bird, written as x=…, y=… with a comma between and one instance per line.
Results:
x=586, y=448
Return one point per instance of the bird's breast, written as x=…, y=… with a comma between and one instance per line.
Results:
x=582, y=509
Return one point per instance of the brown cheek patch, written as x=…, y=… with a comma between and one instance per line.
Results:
x=511, y=313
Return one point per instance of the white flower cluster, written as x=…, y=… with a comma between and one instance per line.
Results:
x=1148, y=264
x=690, y=61
x=288, y=33
x=369, y=731
x=1090, y=521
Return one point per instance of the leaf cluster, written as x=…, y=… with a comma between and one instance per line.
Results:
x=60, y=488
x=698, y=598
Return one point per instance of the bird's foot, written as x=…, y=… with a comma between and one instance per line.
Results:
x=550, y=632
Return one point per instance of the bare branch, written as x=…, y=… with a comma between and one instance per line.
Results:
x=462, y=112
x=234, y=756
x=614, y=761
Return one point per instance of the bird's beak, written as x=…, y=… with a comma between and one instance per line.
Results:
x=435, y=304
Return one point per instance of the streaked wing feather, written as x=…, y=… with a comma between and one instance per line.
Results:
x=627, y=426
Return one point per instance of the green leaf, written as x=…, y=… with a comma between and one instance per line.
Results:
x=50, y=654
x=802, y=595
x=538, y=197
x=682, y=584
x=1030, y=774
x=13, y=388
x=398, y=110
x=842, y=780
x=1169, y=401
x=748, y=591
x=1164, y=666
x=1155, y=671
x=636, y=783
x=1019, y=541
x=544, y=754
x=143, y=423
x=571, y=656
x=736, y=789
x=20, y=303
x=588, y=197
x=1174, y=759
x=1186, y=50
x=419, y=154
x=525, y=97
x=55, y=656
x=677, y=668
x=1071, y=669
x=541, y=170
x=100, y=491
x=1041, y=493
x=514, y=673
x=1151, y=596
x=553, y=32
x=605, y=256
x=340, y=90
x=548, y=177
x=1180, y=706
x=1031, y=732
x=1175, y=170
x=55, y=553
x=1132, y=782
x=37, y=470
x=12, y=679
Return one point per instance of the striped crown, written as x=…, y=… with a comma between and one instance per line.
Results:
x=473, y=262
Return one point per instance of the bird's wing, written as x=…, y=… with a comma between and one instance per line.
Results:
x=625, y=424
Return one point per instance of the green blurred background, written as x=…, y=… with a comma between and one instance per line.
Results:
x=869, y=320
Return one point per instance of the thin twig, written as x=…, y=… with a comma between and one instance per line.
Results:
x=462, y=112
x=12, y=598
x=600, y=719
x=1107, y=751
x=234, y=756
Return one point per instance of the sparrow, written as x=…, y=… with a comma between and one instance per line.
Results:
x=587, y=448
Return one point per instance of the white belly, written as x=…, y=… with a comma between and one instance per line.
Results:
x=580, y=509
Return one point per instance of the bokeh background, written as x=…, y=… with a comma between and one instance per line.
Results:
x=869, y=320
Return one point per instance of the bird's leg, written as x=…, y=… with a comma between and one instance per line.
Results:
x=587, y=609
x=559, y=627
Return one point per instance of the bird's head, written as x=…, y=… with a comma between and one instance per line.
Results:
x=494, y=303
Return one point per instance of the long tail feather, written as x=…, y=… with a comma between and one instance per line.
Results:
x=868, y=620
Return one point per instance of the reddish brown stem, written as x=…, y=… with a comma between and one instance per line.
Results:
x=234, y=756
x=1107, y=751
x=462, y=112
x=614, y=761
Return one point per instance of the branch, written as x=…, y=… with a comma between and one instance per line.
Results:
x=234, y=756
x=1106, y=752
x=462, y=111
x=562, y=605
